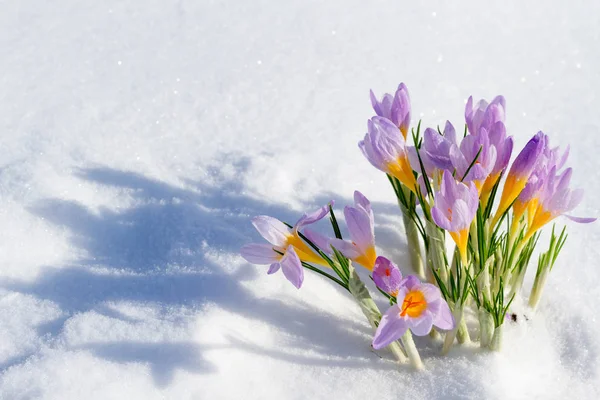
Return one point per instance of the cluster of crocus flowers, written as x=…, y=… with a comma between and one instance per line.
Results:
x=460, y=185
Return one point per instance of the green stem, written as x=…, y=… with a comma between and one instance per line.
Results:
x=325, y=274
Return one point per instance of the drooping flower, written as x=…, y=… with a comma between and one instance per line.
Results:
x=395, y=108
x=419, y=307
x=556, y=199
x=361, y=227
x=388, y=277
x=520, y=172
x=286, y=250
x=528, y=199
x=385, y=148
x=454, y=209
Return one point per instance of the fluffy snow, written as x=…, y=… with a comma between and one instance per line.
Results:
x=139, y=137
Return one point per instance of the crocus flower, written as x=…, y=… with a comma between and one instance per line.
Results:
x=286, y=250
x=556, y=199
x=474, y=148
x=503, y=145
x=361, y=227
x=454, y=209
x=395, y=108
x=520, y=172
x=484, y=115
x=419, y=307
x=437, y=147
x=385, y=148
x=388, y=277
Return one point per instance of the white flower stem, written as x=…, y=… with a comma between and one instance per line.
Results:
x=414, y=244
x=462, y=334
x=538, y=287
x=411, y=350
x=436, y=252
x=486, y=327
x=496, y=343
x=451, y=335
x=364, y=300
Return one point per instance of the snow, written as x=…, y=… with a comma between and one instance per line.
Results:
x=138, y=138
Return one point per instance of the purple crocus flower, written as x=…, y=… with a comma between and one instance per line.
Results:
x=528, y=199
x=503, y=145
x=361, y=227
x=484, y=115
x=555, y=199
x=520, y=171
x=286, y=250
x=454, y=209
x=419, y=307
x=388, y=277
x=478, y=148
x=437, y=147
x=395, y=108
x=385, y=148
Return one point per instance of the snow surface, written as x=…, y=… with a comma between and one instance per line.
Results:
x=139, y=137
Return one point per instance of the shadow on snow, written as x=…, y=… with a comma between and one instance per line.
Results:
x=159, y=250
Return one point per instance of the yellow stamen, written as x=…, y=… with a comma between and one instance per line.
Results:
x=414, y=304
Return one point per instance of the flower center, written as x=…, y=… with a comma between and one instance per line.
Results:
x=414, y=304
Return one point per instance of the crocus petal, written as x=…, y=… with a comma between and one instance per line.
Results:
x=391, y=328
x=410, y=282
x=259, y=253
x=273, y=268
x=580, y=220
x=313, y=217
x=292, y=267
x=346, y=248
x=386, y=275
x=321, y=241
x=430, y=292
x=273, y=230
x=361, y=201
x=440, y=219
x=375, y=103
x=422, y=324
x=360, y=227
x=443, y=318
